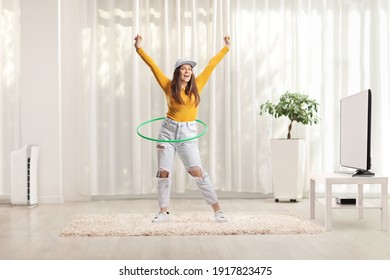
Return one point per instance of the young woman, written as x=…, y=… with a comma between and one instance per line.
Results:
x=183, y=97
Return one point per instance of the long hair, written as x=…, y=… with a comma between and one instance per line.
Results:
x=191, y=88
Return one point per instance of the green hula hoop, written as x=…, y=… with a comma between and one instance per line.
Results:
x=167, y=140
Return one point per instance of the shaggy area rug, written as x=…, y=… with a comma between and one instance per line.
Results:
x=186, y=224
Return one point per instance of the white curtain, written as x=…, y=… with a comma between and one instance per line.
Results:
x=9, y=87
x=326, y=49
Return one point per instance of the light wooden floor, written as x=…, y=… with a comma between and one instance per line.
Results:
x=33, y=233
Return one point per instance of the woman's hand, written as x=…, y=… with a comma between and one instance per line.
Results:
x=226, y=39
x=138, y=40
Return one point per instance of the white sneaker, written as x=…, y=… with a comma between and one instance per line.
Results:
x=161, y=217
x=220, y=217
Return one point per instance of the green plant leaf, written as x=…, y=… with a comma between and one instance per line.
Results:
x=295, y=106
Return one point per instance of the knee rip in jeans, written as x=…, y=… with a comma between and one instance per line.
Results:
x=162, y=173
x=196, y=172
x=160, y=147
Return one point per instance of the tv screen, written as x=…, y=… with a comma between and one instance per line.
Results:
x=355, y=132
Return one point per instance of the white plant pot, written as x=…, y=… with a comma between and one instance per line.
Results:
x=288, y=168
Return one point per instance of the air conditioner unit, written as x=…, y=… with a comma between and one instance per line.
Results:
x=24, y=173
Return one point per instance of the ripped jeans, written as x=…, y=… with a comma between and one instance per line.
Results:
x=188, y=152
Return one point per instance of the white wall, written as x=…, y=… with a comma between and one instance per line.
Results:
x=51, y=96
x=40, y=111
x=72, y=103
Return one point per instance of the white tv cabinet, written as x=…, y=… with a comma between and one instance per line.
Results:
x=330, y=179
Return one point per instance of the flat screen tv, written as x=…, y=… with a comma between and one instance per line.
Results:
x=355, y=132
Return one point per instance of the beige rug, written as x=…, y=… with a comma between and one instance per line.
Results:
x=186, y=224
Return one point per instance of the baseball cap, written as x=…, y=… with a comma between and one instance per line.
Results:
x=182, y=61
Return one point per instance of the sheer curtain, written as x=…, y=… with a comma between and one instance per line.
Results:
x=326, y=49
x=9, y=87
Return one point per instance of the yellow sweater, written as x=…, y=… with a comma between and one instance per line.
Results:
x=188, y=111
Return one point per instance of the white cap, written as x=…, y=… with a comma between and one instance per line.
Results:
x=182, y=61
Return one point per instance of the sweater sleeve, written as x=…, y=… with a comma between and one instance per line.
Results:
x=161, y=78
x=206, y=73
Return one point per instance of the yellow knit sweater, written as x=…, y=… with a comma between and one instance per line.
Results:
x=188, y=111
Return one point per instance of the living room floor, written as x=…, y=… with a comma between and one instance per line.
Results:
x=34, y=234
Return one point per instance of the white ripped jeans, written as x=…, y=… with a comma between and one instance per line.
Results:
x=188, y=152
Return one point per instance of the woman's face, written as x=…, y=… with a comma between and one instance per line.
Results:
x=185, y=73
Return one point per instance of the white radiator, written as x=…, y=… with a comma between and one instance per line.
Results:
x=24, y=173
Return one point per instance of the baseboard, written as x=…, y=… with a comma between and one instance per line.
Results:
x=50, y=199
x=186, y=195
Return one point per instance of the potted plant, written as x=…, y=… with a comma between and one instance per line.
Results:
x=288, y=154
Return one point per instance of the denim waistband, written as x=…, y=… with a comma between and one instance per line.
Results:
x=169, y=120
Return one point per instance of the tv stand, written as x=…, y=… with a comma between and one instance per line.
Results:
x=363, y=173
x=331, y=179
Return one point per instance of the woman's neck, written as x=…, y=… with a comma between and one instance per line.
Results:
x=183, y=85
